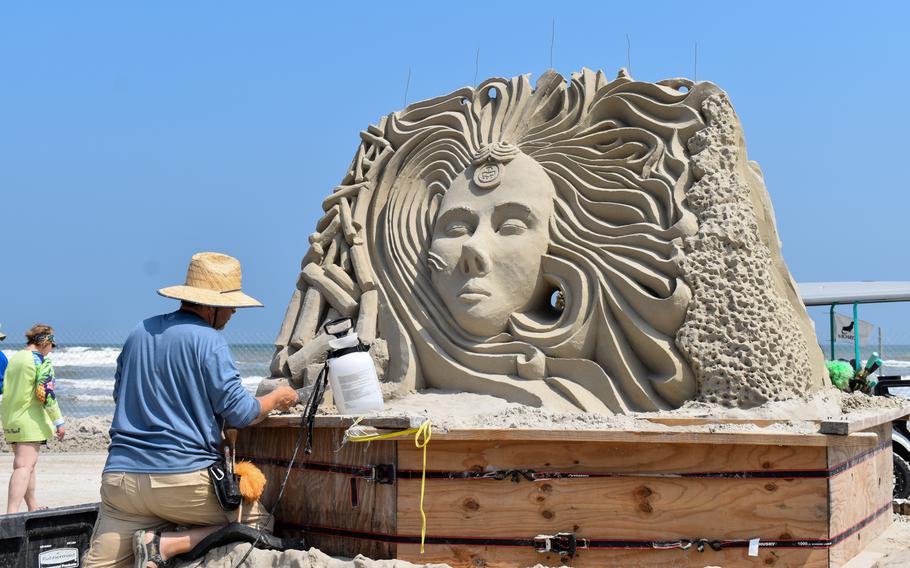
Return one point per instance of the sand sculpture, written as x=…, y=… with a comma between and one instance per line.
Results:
x=597, y=245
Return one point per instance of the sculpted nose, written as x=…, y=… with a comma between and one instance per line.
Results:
x=474, y=261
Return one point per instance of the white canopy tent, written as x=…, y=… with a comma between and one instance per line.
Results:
x=852, y=293
x=827, y=293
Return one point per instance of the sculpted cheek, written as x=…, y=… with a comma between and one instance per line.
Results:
x=448, y=251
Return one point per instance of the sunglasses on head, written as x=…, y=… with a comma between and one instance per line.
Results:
x=49, y=338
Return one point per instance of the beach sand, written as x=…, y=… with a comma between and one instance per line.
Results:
x=63, y=479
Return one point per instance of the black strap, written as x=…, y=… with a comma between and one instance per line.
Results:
x=313, y=406
x=556, y=541
x=236, y=532
x=518, y=475
x=359, y=348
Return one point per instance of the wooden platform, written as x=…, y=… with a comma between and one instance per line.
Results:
x=629, y=498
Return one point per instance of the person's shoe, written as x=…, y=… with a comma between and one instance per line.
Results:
x=146, y=552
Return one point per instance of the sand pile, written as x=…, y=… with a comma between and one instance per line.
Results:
x=88, y=434
x=453, y=411
x=859, y=402
x=228, y=556
x=894, y=544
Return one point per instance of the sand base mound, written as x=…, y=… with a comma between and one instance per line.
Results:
x=227, y=557
x=88, y=434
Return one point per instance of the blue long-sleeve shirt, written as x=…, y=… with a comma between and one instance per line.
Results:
x=3, y=363
x=176, y=385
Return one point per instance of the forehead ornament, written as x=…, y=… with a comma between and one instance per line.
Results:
x=489, y=161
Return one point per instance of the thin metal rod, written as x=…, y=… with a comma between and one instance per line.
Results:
x=858, y=365
x=881, y=349
x=552, y=40
x=629, y=54
x=407, y=86
x=476, y=66
x=833, y=336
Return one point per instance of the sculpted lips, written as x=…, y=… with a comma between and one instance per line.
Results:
x=472, y=293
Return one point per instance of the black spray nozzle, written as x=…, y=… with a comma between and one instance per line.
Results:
x=339, y=327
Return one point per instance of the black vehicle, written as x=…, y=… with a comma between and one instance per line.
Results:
x=900, y=437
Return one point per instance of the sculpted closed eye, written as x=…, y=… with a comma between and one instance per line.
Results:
x=457, y=229
x=513, y=227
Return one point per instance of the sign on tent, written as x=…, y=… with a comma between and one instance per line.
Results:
x=844, y=328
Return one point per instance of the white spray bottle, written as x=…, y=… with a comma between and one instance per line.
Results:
x=352, y=373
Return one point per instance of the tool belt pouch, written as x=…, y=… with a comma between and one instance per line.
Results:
x=227, y=486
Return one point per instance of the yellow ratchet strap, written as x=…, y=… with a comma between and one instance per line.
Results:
x=422, y=435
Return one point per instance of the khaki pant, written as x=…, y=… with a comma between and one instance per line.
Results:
x=133, y=501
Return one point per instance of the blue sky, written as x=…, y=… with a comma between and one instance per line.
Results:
x=134, y=134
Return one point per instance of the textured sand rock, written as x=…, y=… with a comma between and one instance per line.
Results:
x=747, y=339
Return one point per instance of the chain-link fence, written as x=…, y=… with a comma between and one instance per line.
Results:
x=882, y=329
x=85, y=369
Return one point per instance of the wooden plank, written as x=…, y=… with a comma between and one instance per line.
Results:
x=479, y=455
x=837, y=455
x=762, y=438
x=335, y=421
x=622, y=508
x=325, y=498
x=864, y=421
x=503, y=557
x=863, y=488
x=705, y=420
x=841, y=554
x=615, y=507
x=681, y=436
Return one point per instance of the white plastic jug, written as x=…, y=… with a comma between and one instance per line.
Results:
x=355, y=385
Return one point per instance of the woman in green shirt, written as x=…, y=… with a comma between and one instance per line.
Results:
x=30, y=412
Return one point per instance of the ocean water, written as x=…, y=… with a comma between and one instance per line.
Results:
x=85, y=374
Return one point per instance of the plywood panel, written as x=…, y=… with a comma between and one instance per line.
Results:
x=858, y=493
x=653, y=509
x=645, y=508
x=679, y=436
x=863, y=488
x=324, y=498
x=484, y=455
x=851, y=547
x=491, y=557
x=838, y=454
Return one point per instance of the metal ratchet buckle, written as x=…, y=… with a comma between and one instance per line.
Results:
x=383, y=474
x=563, y=544
x=682, y=544
x=700, y=544
x=514, y=475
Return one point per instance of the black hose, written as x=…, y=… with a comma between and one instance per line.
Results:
x=306, y=427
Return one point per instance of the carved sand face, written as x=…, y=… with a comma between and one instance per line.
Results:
x=486, y=248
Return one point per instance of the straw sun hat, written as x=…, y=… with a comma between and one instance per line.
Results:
x=212, y=279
